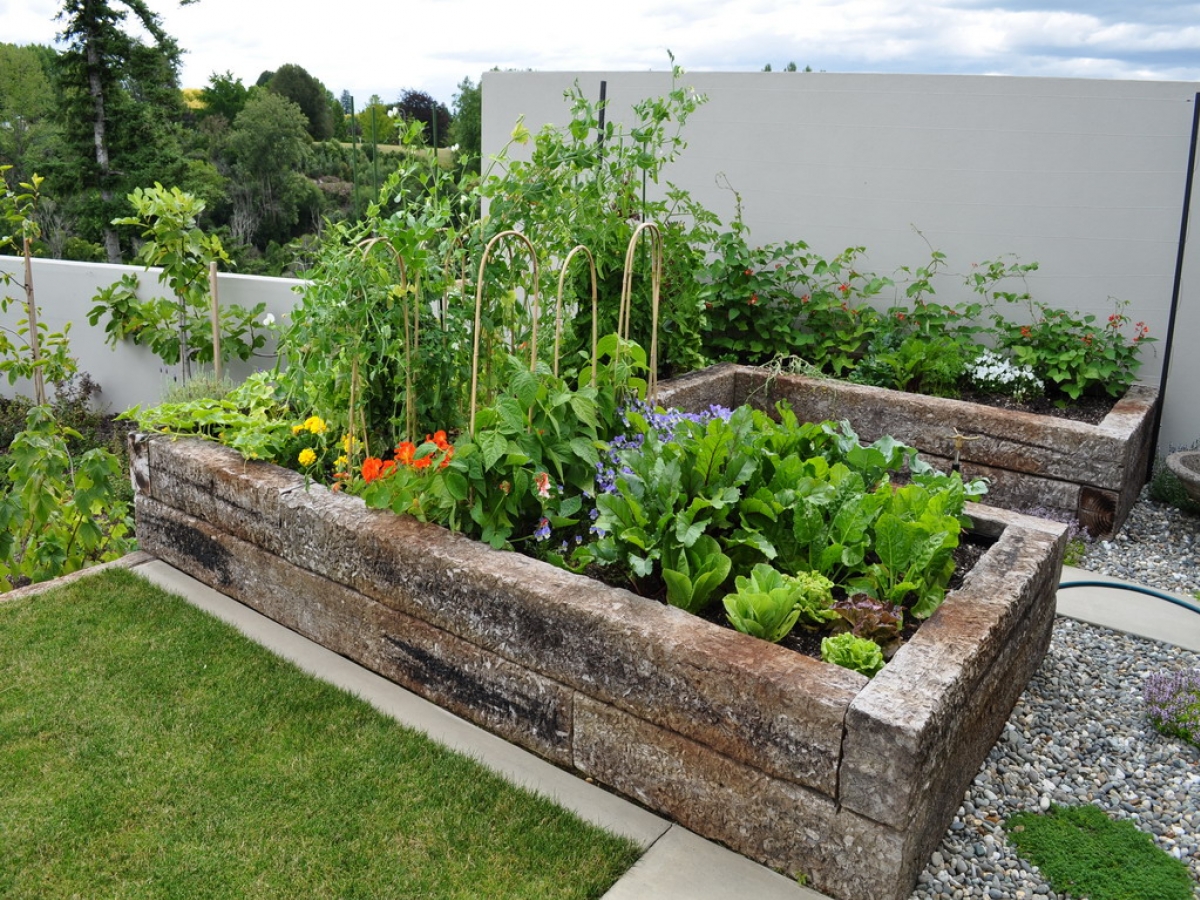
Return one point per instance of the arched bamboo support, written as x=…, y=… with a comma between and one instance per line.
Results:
x=562, y=277
x=487, y=251
x=626, y=311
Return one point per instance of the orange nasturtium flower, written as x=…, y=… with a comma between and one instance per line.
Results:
x=373, y=467
x=405, y=451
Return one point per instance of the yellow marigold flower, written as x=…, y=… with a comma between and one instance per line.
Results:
x=349, y=443
x=315, y=424
x=296, y=429
x=340, y=462
x=307, y=456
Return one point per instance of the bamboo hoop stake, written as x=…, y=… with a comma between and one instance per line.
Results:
x=214, y=312
x=487, y=251
x=562, y=277
x=31, y=314
x=626, y=309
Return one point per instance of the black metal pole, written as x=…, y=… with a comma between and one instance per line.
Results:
x=1175, y=290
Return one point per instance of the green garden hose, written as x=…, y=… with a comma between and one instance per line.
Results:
x=1178, y=601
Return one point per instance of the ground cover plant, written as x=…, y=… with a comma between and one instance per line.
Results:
x=1083, y=852
x=148, y=750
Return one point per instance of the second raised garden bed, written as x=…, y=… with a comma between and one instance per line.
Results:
x=1090, y=473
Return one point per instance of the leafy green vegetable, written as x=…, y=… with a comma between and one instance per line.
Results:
x=768, y=603
x=852, y=652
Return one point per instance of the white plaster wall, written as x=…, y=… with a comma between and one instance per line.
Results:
x=128, y=375
x=1086, y=177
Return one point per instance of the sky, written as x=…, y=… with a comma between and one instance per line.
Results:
x=372, y=47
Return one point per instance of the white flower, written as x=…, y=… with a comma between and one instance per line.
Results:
x=268, y=320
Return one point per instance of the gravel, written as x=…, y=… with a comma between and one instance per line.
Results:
x=1079, y=733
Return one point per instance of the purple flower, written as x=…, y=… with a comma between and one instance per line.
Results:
x=1173, y=703
x=542, y=532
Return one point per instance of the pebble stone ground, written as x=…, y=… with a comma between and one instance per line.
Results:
x=1079, y=732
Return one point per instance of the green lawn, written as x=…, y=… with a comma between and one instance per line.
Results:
x=148, y=750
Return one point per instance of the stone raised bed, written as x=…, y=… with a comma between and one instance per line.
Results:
x=1091, y=473
x=803, y=766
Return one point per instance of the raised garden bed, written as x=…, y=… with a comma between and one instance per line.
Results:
x=1091, y=473
x=803, y=766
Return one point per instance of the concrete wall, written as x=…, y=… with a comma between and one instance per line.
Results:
x=1086, y=177
x=127, y=375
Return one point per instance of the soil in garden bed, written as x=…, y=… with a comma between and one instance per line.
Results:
x=969, y=551
x=1090, y=409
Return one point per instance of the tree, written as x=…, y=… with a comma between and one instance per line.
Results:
x=375, y=123
x=224, y=96
x=417, y=106
x=26, y=108
x=268, y=147
x=467, y=128
x=120, y=96
x=294, y=83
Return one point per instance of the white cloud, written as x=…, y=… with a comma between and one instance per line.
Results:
x=374, y=47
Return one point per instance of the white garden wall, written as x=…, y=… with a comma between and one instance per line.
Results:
x=127, y=375
x=1086, y=177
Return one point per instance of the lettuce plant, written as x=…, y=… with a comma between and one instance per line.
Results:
x=866, y=617
x=767, y=604
x=852, y=652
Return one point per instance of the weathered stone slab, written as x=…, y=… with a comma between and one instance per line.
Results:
x=778, y=823
x=520, y=705
x=1036, y=460
x=944, y=698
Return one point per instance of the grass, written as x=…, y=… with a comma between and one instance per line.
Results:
x=1084, y=852
x=149, y=750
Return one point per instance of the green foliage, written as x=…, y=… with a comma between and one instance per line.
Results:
x=26, y=108
x=251, y=419
x=591, y=185
x=932, y=364
x=178, y=330
x=294, y=83
x=466, y=129
x=121, y=103
x=267, y=147
x=224, y=95
x=523, y=471
x=31, y=351
x=805, y=498
x=768, y=603
x=375, y=123
x=1082, y=851
x=1074, y=354
x=384, y=319
x=57, y=514
x=850, y=651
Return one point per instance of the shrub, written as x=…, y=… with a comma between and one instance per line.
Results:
x=1173, y=703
